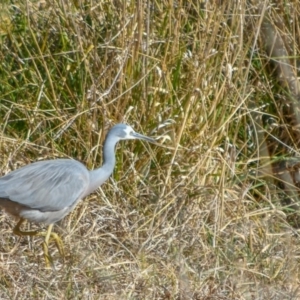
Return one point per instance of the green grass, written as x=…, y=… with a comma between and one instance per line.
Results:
x=193, y=219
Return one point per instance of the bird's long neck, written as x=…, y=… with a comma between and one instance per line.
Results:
x=100, y=175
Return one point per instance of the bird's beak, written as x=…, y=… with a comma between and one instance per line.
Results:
x=143, y=137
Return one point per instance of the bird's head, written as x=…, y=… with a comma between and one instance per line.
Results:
x=126, y=132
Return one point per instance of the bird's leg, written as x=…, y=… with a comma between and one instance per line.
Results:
x=46, y=244
x=58, y=242
x=19, y=232
x=47, y=234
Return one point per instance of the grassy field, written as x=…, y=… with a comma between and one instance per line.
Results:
x=190, y=219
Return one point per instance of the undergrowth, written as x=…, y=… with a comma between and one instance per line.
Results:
x=190, y=219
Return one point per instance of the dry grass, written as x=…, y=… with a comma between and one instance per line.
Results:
x=190, y=220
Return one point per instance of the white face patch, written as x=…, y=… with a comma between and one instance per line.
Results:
x=129, y=130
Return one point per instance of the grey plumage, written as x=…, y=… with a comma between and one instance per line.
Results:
x=46, y=191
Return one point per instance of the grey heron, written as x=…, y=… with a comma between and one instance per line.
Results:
x=46, y=191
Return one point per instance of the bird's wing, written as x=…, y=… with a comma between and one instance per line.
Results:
x=47, y=185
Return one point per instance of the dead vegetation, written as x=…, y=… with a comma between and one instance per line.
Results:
x=200, y=218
